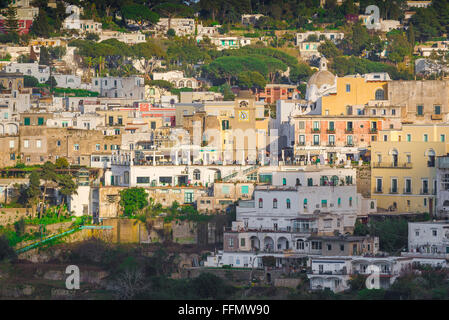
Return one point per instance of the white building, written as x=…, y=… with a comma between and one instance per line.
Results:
x=428, y=237
x=177, y=78
x=335, y=272
x=73, y=22
x=40, y=72
x=118, y=87
x=333, y=36
x=182, y=26
x=128, y=38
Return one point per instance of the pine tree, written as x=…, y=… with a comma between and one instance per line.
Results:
x=11, y=22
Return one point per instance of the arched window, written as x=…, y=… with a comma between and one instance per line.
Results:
x=196, y=174
x=284, y=181
x=260, y=203
x=298, y=183
x=305, y=203
x=380, y=94
x=339, y=202
x=372, y=205
x=288, y=204
x=275, y=203
x=350, y=201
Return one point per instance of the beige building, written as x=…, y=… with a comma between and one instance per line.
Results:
x=403, y=176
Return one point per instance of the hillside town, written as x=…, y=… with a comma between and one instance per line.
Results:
x=265, y=150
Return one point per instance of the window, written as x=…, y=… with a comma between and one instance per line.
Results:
x=408, y=185
x=316, y=126
x=309, y=182
x=385, y=137
x=342, y=247
x=245, y=189
x=196, y=174
x=437, y=109
x=242, y=242
x=339, y=202
x=26, y=121
x=348, y=88
x=97, y=147
x=434, y=233
x=231, y=242
x=40, y=121
x=442, y=137
x=329, y=247
x=302, y=140
x=393, y=112
x=316, y=140
x=420, y=110
x=394, y=185
x=316, y=245
x=188, y=197
x=26, y=144
x=38, y=144
x=380, y=94
x=379, y=185
x=323, y=203
x=11, y=143
x=409, y=137
x=331, y=126
x=331, y=140
x=350, y=201
x=275, y=203
x=260, y=203
x=426, y=138
x=284, y=181
x=288, y=204
x=349, y=141
x=305, y=204
x=372, y=205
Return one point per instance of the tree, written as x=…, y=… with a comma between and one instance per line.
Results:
x=48, y=174
x=61, y=163
x=133, y=200
x=40, y=26
x=140, y=14
x=30, y=81
x=67, y=187
x=34, y=190
x=6, y=251
x=44, y=57
x=11, y=24
x=171, y=33
x=51, y=82
x=329, y=50
x=92, y=36
x=173, y=10
x=148, y=54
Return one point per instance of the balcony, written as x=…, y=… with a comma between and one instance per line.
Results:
x=373, y=130
x=436, y=117
x=349, y=131
x=392, y=165
x=330, y=131
x=315, y=130
x=349, y=144
x=301, y=143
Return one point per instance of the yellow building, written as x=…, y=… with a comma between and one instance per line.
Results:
x=118, y=118
x=403, y=173
x=234, y=130
x=353, y=93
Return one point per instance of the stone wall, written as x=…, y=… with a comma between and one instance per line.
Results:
x=11, y=215
x=235, y=275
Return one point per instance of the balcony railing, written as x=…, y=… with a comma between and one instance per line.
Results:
x=373, y=130
x=315, y=130
x=349, y=131
x=404, y=165
x=330, y=130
